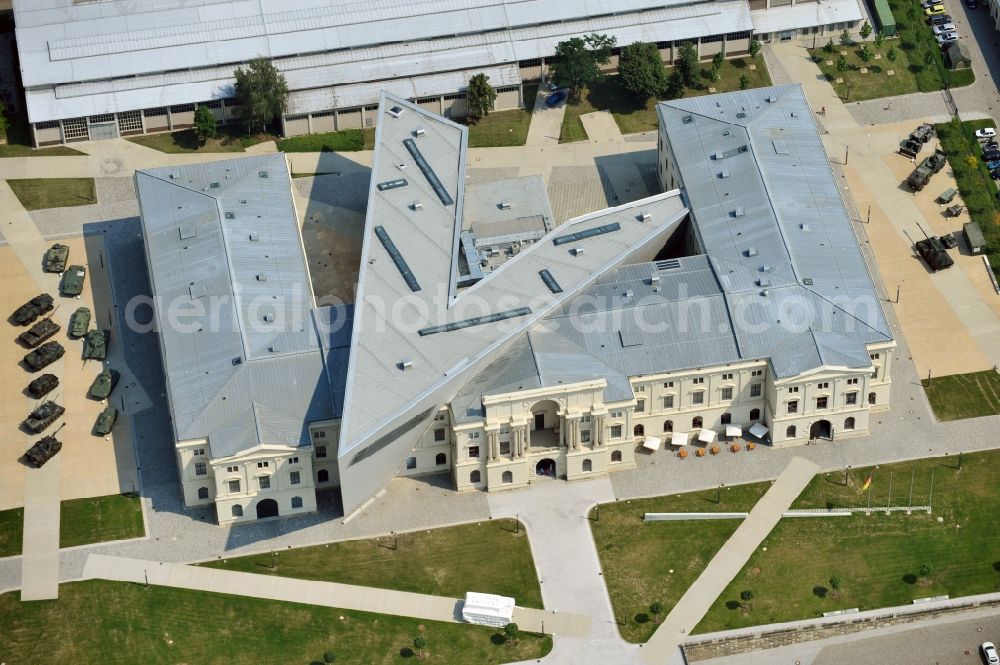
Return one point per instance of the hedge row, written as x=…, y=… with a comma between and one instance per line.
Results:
x=347, y=140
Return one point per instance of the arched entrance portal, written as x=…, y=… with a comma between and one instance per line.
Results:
x=820, y=429
x=267, y=508
x=546, y=467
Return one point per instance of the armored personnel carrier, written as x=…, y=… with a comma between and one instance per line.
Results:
x=44, y=356
x=31, y=310
x=933, y=252
x=79, y=322
x=922, y=174
x=56, y=258
x=72, y=281
x=106, y=421
x=43, y=450
x=38, y=333
x=103, y=384
x=43, y=385
x=95, y=344
x=910, y=148
x=923, y=133
x=43, y=416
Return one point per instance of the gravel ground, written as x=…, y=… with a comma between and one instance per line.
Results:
x=115, y=200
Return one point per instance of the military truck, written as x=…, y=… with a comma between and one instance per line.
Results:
x=95, y=344
x=43, y=450
x=43, y=385
x=923, y=133
x=43, y=416
x=44, y=356
x=933, y=252
x=910, y=148
x=31, y=310
x=103, y=384
x=56, y=258
x=72, y=281
x=922, y=174
x=79, y=321
x=106, y=421
x=38, y=333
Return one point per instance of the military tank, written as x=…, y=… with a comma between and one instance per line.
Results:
x=44, y=356
x=106, y=421
x=38, y=333
x=31, y=310
x=43, y=416
x=933, y=252
x=72, y=281
x=95, y=344
x=43, y=450
x=56, y=258
x=43, y=385
x=79, y=321
x=103, y=384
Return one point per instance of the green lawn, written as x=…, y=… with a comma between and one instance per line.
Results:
x=856, y=86
x=11, y=528
x=441, y=562
x=41, y=193
x=878, y=557
x=979, y=193
x=230, y=138
x=635, y=115
x=346, y=140
x=964, y=395
x=504, y=128
x=19, y=142
x=113, y=622
x=94, y=520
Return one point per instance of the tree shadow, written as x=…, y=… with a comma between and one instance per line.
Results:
x=996, y=566
x=642, y=617
x=498, y=639
x=820, y=591
x=738, y=63
x=407, y=652
x=732, y=605
x=909, y=578
x=907, y=46
x=186, y=139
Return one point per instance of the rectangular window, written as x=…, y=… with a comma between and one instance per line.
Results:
x=232, y=469
x=585, y=436
x=616, y=414
x=264, y=482
x=505, y=429
x=640, y=389
x=757, y=372
x=199, y=451
x=851, y=398
x=668, y=384
x=616, y=431
x=874, y=356
x=473, y=435
x=852, y=382
x=262, y=465
x=821, y=402
x=200, y=468
x=698, y=380
x=727, y=377
x=727, y=392
x=439, y=434
x=320, y=451
x=793, y=406
x=234, y=486
x=293, y=460
x=668, y=401
x=875, y=373
x=640, y=406
x=411, y=462
x=473, y=452
x=793, y=389
x=754, y=390
x=505, y=447
x=822, y=386
x=698, y=397
x=294, y=478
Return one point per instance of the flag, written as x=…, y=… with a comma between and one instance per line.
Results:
x=865, y=485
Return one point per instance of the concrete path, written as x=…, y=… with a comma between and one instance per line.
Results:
x=601, y=127
x=40, y=549
x=546, y=122
x=728, y=561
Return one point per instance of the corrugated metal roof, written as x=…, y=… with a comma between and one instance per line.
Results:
x=241, y=350
x=805, y=14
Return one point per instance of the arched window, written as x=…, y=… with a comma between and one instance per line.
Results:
x=668, y=425
x=507, y=478
x=296, y=502
x=849, y=423
x=616, y=456
x=323, y=476
x=726, y=418
x=638, y=430
x=237, y=511
x=754, y=414
x=696, y=422
x=474, y=476
x=790, y=432
x=202, y=492
x=440, y=459
x=588, y=466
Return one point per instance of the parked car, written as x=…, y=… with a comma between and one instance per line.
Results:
x=991, y=155
x=990, y=653
x=943, y=28
x=946, y=38
x=940, y=19
x=971, y=4
x=929, y=3
x=555, y=98
x=992, y=145
x=934, y=11
x=986, y=133
x=993, y=165
x=995, y=174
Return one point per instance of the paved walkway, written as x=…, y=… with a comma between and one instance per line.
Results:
x=546, y=122
x=40, y=549
x=601, y=127
x=728, y=561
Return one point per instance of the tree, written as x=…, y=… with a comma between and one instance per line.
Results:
x=4, y=122
x=511, y=632
x=675, y=86
x=656, y=609
x=755, y=47
x=879, y=40
x=261, y=92
x=204, y=123
x=329, y=657
x=891, y=54
x=641, y=70
x=866, y=30
x=686, y=64
x=580, y=59
x=480, y=96
x=836, y=582
x=841, y=64
x=828, y=47
x=845, y=38
x=925, y=570
x=717, y=61
x=419, y=642
x=746, y=596
x=744, y=82
x=866, y=53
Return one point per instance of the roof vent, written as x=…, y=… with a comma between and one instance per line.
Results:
x=772, y=99
x=243, y=202
x=395, y=111
x=751, y=251
x=742, y=149
x=254, y=236
x=807, y=281
x=718, y=155
x=765, y=268
x=763, y=292
x=644, y=217
x=656, y=289
x=738, y=212
x=417, y=205
x=725, y=132
x=188, y=231
x=763, y=280
x=724, y=174
x=261, y=277
x=197, y=290
x=419, y=131
x=654, y=279
x=628, y=293
x=230, y=215
x=741, y=115
x=237, y=361
x=504, y=205
x=274, y=348
x=792, y=114
x=804, y=227
x=405, y=364
x=268, y=318
x=578, y=251
x=401, y=166
x=262, y=174
x=214, y=185
x=687, y=119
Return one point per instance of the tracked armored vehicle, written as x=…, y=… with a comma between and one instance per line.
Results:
x=43, y=416
x=106, y=421
x=56, y=258
x=44, y=356
x=43, y=385
x=38, y=333
x=43, y=450
x=79, y=322
x=95, y=344
x=103, y=384
x=933, y=252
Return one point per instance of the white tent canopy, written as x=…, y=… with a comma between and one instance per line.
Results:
x=651, y=442
x=758, y=430
x=487, y=609
x=706, y=435
x=679, y=439
x=734, y=430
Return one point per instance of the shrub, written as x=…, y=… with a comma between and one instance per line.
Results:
x=735, y=447
x=828, y=47
x=700, y=452
x=714, y=450
x=891, y=54
x=511, y=632
x=845, y=38
x=751, y=445
x=836, y=582
x=925, y=570
x=744, y=82
x=682, y=453
x=866, y=30
x=865, y=53
x=656, y=609
x=754, y=48
x=347, y=140
x=841, y=64
x=329, y=657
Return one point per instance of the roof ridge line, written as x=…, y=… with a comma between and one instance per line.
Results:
x=845, y=312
